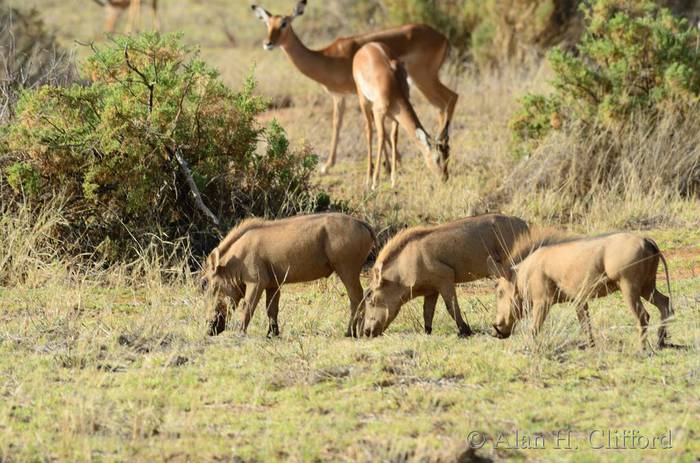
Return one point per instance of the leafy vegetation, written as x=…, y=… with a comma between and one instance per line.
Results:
x=634, y=59
x=156, y=143
x=623, y=109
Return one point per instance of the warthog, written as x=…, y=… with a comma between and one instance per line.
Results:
x=261, y=255
x=547, y=268
x=428, y=261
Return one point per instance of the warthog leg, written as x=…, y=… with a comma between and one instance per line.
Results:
x=429, y=302
x=250, y=301
x=540, y=309
x=631, y=295
x=584, y=318
x=272, y=300
x=450, y=297
x=661, y=302
x=351, y=280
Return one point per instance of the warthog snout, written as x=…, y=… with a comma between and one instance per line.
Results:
x=372, y=328
x=497, y=333
x=218, y=325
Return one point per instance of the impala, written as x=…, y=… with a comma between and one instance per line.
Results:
x=382, y=89
x=420, y=48
x=115, y=8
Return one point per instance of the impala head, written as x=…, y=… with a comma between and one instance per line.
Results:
x=439, y=153
x=509, y=302
x=442, y=156
x=277, y=26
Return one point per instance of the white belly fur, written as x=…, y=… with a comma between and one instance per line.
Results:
x=367, y=90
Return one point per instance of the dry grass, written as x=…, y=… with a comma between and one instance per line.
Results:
x=115, y=365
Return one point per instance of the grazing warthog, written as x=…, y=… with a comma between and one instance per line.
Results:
x=428, y=261
x=261, y=255
x=546, y=268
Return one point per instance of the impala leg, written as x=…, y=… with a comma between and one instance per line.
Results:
x=156, y=19
x=441, y=97
x=394, y=151
x=111, y=17
x=134, y=16
x=366, y=108
x=338, y=113
x=379, y=124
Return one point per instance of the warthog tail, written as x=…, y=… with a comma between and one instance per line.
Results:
x=656, y=249
x=372, y=234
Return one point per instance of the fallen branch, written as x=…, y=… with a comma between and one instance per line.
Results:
x=187, y=172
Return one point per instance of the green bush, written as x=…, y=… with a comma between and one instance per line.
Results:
x=622, y=119
x=156, y=126
x=635, y=59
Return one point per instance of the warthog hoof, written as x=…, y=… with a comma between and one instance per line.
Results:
x=273, y=331
x=465, y=332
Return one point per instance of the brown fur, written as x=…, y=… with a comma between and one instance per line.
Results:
x=534, y=239
x=114, y=9
x=261, y=255
x=548, y=268
x=428, y=261
x=401, y=239
x=382, y=90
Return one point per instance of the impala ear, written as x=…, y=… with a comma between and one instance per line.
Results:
x=299, y=9
x=261, y=13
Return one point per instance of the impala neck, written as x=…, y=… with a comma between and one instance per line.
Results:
x=313, y=64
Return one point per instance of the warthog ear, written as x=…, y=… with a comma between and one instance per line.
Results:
x=299, y=9
x=377, y=273
x=261, y=13
x=215, y=259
